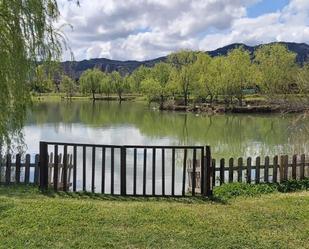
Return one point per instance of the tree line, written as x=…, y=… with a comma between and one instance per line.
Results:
x=196, y=76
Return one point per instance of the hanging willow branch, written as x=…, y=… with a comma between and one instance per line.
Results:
x=27, y=36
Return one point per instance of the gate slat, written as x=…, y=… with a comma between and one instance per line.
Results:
x=266, y=169
x=184, y=173
x=194, y=173
x=173, y=171
x=249, y=170
x=144, y=171
x=27, y=169
x=17, y=169
x=8, y=169
x=222, y=175
x=231, y=170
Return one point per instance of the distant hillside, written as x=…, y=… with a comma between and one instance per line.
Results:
x=76, y=68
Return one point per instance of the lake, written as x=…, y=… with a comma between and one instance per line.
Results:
x=229, y=135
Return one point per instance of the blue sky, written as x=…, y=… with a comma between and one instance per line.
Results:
x=146, y=29
x=266, y=6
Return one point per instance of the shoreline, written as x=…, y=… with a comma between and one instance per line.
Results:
x=249, y=109
x=259, y=107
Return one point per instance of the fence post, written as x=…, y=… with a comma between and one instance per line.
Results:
x=123, y=182
x=43, y=166
x=208, y=173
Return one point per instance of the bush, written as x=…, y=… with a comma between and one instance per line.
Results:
x=293, y=185
x=227, y=191
x=231, y=190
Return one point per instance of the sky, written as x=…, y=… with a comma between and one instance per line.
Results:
x=147, y=29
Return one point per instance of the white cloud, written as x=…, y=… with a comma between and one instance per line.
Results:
x=145, y=29
x=290, y=24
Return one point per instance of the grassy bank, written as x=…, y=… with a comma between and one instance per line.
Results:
x=29, y=219
x=253, y=103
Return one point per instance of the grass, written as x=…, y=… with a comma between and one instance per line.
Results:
x=30, y=219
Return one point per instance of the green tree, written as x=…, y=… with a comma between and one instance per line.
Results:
x=91, y=81
x=106, y=85
x=27, y=35
x=137, y=76
x=303, y=79
x=184, y=81
x=182, y=58
x=218, y=77
x=120, y=85
x=183, y=78
x=276, y=69
x=239, y=70
x=204, y=87
x=156, y=84
x=68, y=86
x=42, y=82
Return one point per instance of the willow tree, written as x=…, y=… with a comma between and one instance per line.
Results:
x=91, y=81
x=119, y=84
x=276, y=69
x=68, y=86
x=41, y=82
x=27, y=36
x=204, y=87
x=218, y=77
x=303, y=79
x=155, y=85
x=183, y=76
x=137, y=76
x=239, y=67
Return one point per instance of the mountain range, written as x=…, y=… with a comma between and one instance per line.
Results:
x=76, y=68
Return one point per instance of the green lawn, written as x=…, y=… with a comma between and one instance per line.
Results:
x=29, y=219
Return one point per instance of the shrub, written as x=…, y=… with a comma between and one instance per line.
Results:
x=293, y=185
x=231, y=190
x=227, y=191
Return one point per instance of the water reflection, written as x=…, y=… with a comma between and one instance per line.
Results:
x=134, y=123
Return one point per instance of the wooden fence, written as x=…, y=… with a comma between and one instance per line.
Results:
x=25, y=169
x=268, y=170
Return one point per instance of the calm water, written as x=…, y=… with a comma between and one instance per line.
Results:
x=136, y=123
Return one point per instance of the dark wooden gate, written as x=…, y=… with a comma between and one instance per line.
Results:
x=128, y=170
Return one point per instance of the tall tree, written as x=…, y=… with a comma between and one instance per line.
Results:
x=106, y=85
x=276, y=68
x=182, y=77
x=204, y=87
x=182, y=58
x=68, y=86
x=303, y=79
x=156, y=84
x=239, y=69
x=120, y=85
x=137, y=76
x=218, y=77
x=91, y=81
x=27, y=35
x=41, y=82
x=183, y=81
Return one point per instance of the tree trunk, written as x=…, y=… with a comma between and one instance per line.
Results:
x=186, y=99
x=240, y=101
x=93, y=96
x=161, y=102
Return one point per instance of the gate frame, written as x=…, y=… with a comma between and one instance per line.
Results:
x=206, y=168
